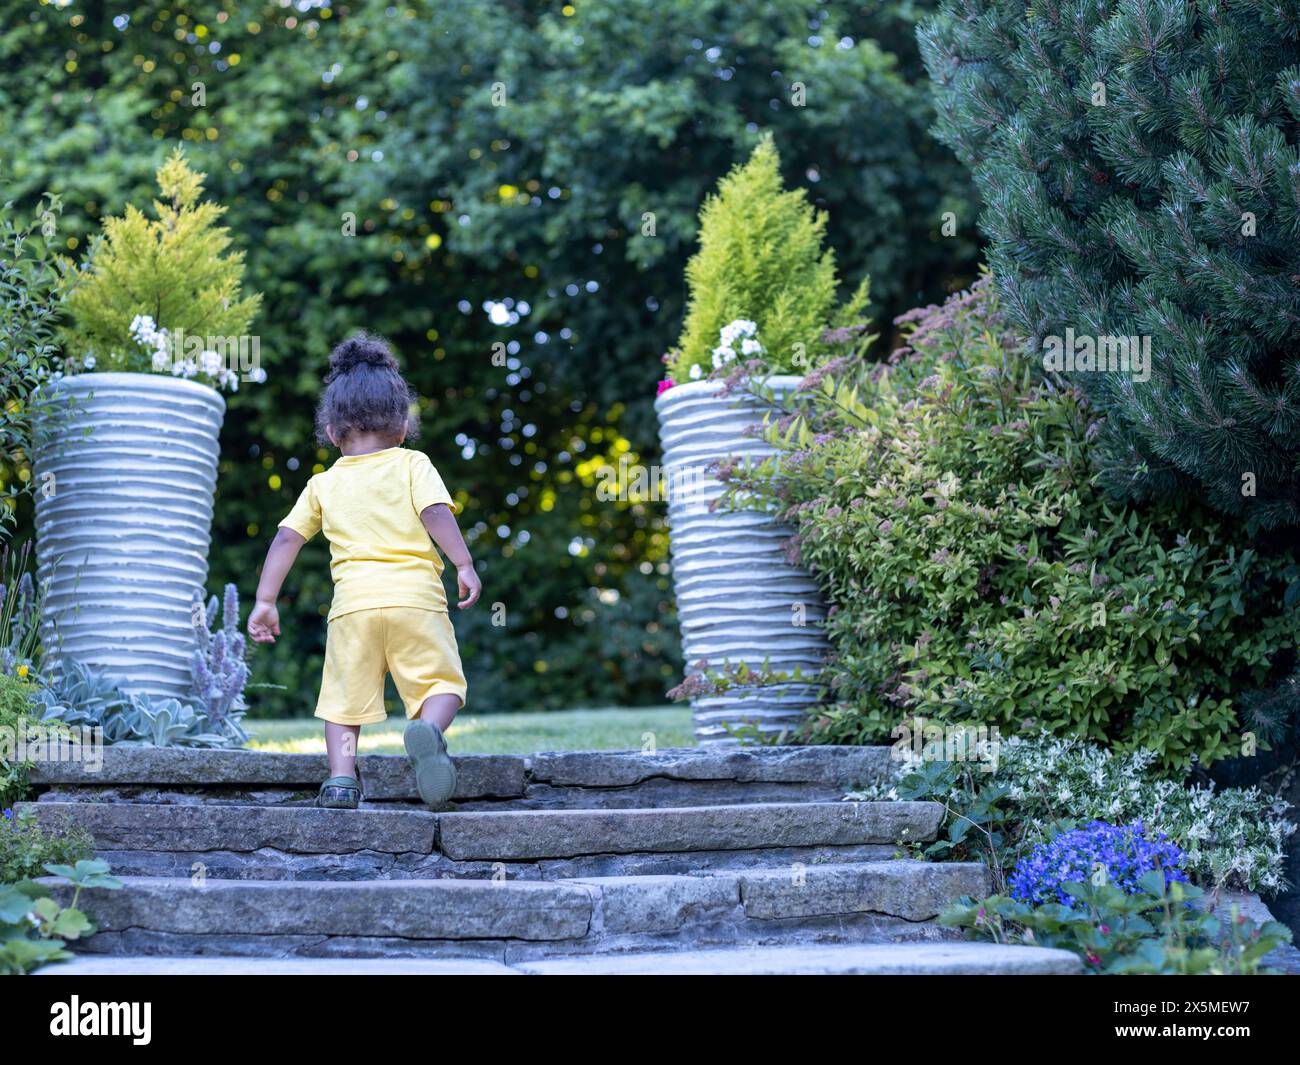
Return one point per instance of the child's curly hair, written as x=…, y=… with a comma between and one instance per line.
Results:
x=365, y=392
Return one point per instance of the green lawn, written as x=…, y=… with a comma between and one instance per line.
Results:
x=601, y=728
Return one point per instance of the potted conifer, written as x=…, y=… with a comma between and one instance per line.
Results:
x=126, y=452
x=763, y=299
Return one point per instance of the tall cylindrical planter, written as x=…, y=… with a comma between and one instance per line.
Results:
x=738, y=599
x=126, y=468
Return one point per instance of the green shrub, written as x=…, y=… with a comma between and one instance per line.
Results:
x=26, y=847
x=34, y=928
x=31, y=279
x=760, y=261
x=15, y=708
x=975, y=573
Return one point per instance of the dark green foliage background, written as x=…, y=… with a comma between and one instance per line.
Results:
x=388, y=113
x=1128, y=216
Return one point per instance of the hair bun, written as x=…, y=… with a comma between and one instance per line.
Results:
x=360, y=350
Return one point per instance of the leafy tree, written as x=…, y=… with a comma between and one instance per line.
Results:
x=475, y=225
x=1139, y=168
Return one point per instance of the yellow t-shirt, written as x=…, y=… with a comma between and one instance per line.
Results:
x=369, y=509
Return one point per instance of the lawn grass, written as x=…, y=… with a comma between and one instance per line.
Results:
x=600, y=728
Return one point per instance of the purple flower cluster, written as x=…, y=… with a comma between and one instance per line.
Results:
x=1125, y=852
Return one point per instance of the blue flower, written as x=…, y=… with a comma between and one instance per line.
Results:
x=1124, y=852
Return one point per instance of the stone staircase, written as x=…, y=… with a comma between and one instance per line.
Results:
x=714, y=859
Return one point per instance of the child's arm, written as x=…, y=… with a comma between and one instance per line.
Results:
x=264, y=621
x=440, y=523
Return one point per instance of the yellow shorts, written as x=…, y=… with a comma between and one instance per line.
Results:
x=418, y=647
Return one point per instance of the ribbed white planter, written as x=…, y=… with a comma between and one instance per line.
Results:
x=738, y=599
x=126, y=467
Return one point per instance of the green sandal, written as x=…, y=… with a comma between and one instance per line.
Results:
x=435, y=772
x=340, y=793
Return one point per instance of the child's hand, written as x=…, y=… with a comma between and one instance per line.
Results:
x=470, y=586
x=264, y=623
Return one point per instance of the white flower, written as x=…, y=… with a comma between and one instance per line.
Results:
x=142, y=326
x=211, y=363
x=89, y=362
x=161, y=359
x=257, y=375
x=696, y=372
x=733, y=331
x=741, y=329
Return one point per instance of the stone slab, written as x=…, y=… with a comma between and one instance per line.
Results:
x=890, y=959
x=915, y=891
x=409, y=909
x=641, y=904
x=608, y=769
x=299, y=829
x=384, y=776
x=511, y=835
x=90, y=965
x=270, y=864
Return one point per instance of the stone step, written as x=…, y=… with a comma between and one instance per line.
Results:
x=880, y=959
x=270, y=864
x=851, y=959
x=687, y=776
x=112, y=965
x=504, y=918
x=506, y=836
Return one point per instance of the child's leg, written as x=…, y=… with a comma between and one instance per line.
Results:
x=440, y=710
x=341, y=745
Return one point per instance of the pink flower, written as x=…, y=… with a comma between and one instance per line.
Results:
x=664, y=386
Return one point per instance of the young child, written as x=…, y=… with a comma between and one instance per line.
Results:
x=378, y=505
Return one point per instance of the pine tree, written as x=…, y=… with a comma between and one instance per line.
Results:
x=1139, y=169
x=176, y=269
x=761, y=259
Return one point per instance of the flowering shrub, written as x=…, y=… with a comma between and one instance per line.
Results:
x=1100, y=853
x=1161, y=927
x=1230, y=837
x=975, y=573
